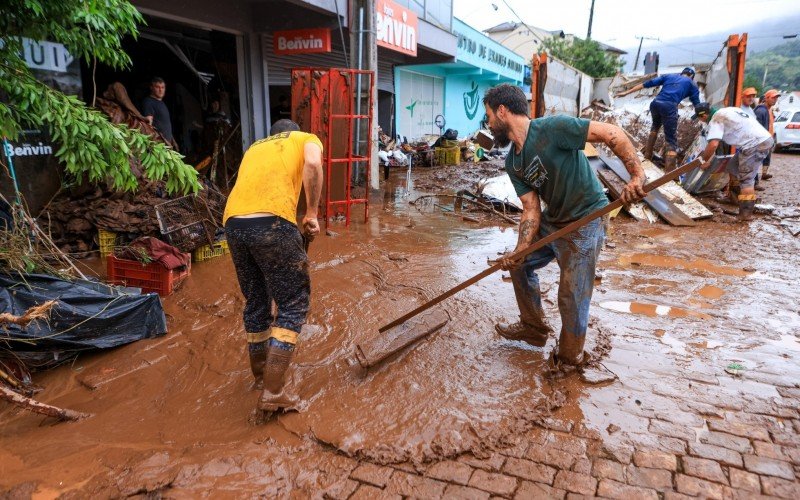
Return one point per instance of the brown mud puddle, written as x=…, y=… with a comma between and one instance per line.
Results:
x=701, y=265
x=651, y=310
x=711, y=292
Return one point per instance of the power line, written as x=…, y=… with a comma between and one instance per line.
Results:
x=518, y=17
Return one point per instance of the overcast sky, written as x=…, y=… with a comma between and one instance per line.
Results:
x=619, y=22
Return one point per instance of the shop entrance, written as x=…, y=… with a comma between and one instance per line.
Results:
x=199, y=69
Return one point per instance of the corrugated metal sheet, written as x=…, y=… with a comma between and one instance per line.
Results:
x=279, y=68
x=567, y=90
x=386, y=73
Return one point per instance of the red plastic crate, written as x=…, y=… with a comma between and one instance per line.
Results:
x=151, y=277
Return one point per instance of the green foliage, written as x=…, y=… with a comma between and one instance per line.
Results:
x=782, y=64
x=585, y=55
x=90, y=145
x=751, y=80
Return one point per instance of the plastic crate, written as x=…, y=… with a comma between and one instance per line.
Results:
x=207, y=252
x=106, y=240
x=152, y=277
x=447, y=156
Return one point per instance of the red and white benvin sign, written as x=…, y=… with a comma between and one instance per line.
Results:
x=397, y=27
x=306, y=41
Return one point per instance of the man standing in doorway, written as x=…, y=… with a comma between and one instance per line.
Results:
x=664, y=110
x=767, y=120
x=752, y=142
x=267, y=249
x=156, y=112
x=546, y=163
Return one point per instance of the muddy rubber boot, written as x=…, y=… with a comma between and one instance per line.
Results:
x=650, y=144
x=670, y=160
x=747, y=204
x=733, y=193
x=570, y=350
x=765, y=175
x=524, y=332
x=257, y=351
x=279, y=357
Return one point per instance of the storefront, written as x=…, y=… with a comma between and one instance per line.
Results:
x=454, y=90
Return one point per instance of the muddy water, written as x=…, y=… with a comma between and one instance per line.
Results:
x=173, y=407
x=176, y=411
x=459, y=390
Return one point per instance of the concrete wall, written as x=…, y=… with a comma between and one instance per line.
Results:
x=463, y=104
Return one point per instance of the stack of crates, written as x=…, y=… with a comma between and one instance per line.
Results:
x=151, y=278
x=107, y=240
x=207, y=252
x=448, y=154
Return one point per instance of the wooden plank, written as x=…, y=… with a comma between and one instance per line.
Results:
x=388, y=342
x=657, y=200
x=638, y=210
x=590, y=151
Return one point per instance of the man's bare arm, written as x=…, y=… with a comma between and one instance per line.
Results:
x=615, y=138
x=528, y=226
x=312, y=183
x=708, y=153
x=635, y=88
x=529, y=222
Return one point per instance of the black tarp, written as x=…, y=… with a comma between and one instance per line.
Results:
x=86, y=316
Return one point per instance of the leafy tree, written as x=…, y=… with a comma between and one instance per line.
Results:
x=781, y=65
x=585, y=55
x=91, y=146
x=751, y=80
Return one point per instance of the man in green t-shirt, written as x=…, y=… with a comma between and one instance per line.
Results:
x=546, y=164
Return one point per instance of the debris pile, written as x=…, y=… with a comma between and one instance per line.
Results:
x=75, y=215
x=632, y=113
x=423, y=153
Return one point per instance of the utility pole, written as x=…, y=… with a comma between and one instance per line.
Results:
x=591, y=16
x=364, y=55
x=639, y=52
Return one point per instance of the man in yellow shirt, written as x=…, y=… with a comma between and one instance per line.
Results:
x=267, y=249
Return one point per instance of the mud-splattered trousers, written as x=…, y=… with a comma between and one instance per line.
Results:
x=750, y=161
x=576, y=254
x=271, y=264
x=666, y=114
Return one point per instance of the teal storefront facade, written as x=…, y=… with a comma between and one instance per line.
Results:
x=454, y=89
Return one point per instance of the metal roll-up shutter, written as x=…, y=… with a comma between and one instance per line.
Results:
x=386, y=75
x=279, y=68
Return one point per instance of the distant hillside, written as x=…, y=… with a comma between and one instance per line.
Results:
x=705, y=47
x=782, y=64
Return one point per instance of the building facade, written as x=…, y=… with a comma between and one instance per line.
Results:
x=453, y=91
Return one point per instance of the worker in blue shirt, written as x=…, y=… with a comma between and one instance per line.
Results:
x=664, y=110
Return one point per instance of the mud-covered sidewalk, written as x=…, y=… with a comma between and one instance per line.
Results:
x=701, y=327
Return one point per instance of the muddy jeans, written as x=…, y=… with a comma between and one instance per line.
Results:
x=271, y=264
x=750, y=161
x=576, y=254
x=666, y=114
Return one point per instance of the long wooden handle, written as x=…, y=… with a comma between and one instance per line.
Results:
x=544, y=241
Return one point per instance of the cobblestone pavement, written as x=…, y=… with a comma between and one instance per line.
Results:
x=673, y=426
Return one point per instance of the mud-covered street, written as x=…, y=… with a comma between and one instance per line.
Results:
x=700, y=326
